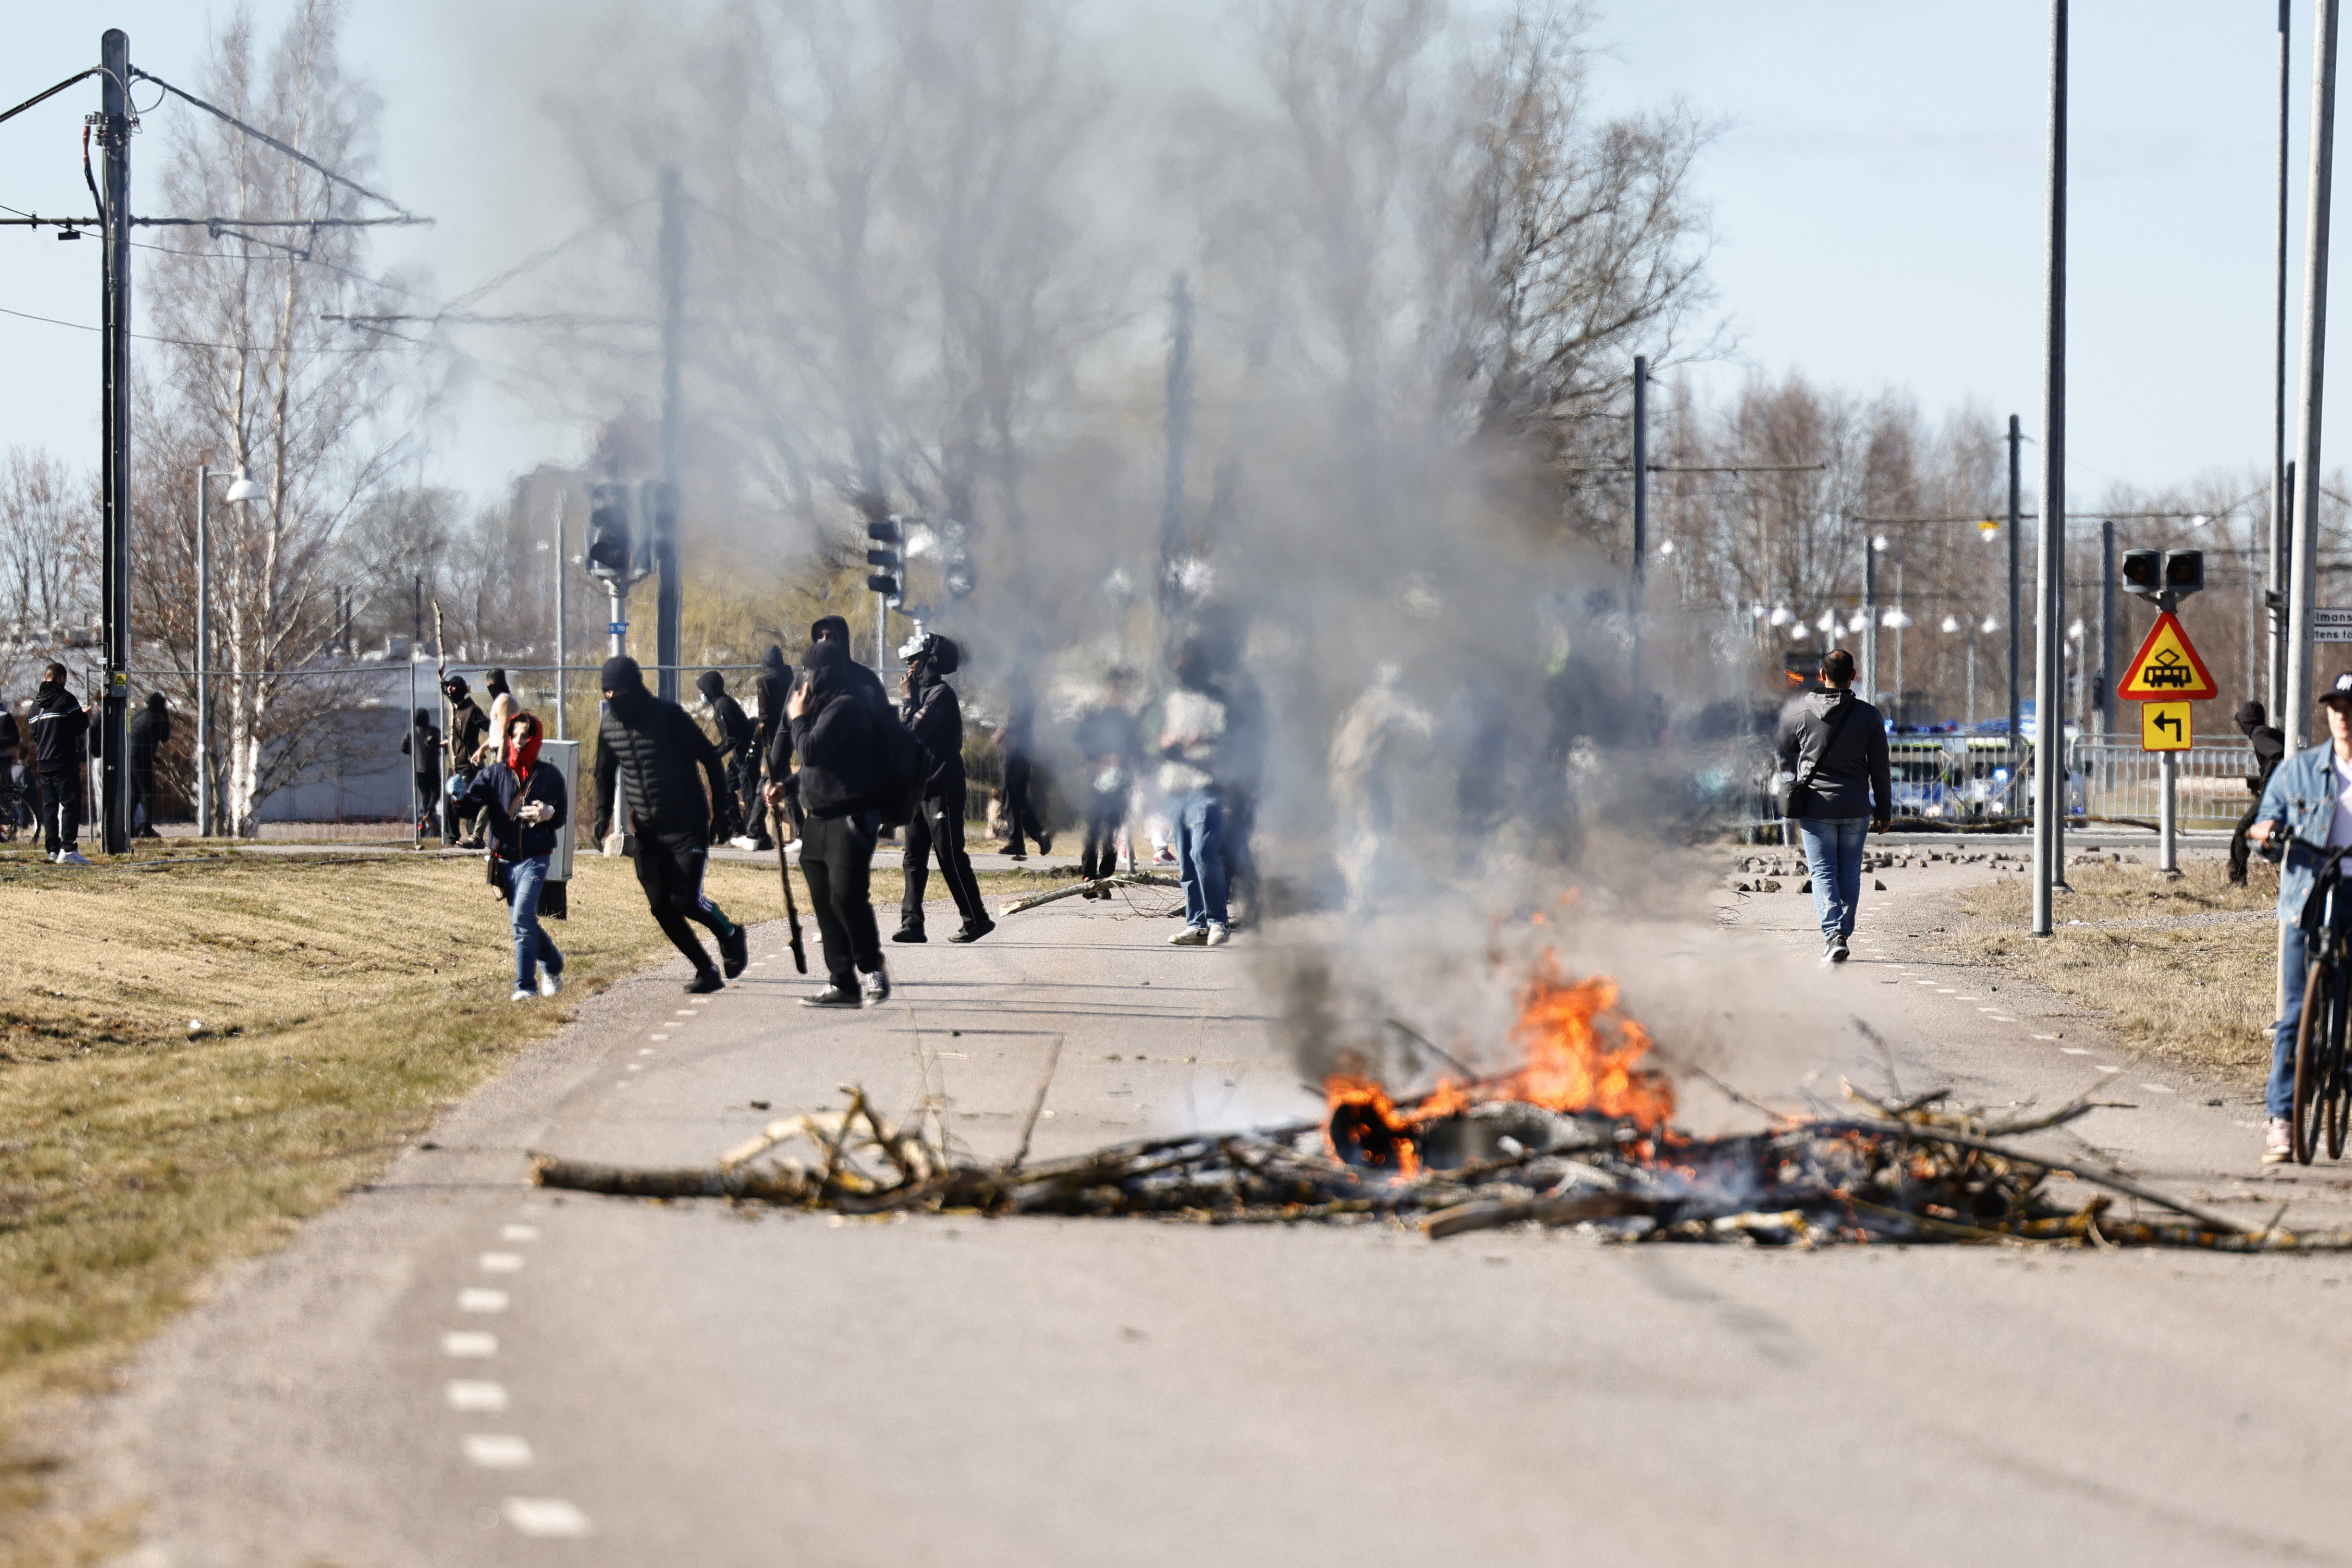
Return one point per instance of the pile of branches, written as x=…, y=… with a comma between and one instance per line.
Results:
x=1910, y=1172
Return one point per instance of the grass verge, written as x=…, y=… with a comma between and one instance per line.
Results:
x=2172, y=979
x=200, y=1052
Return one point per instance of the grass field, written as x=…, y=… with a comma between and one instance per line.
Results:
x=197, y=1051
x=2171, y=978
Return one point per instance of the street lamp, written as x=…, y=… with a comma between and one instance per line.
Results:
x=241, y=490
x=1951, y=624
x=1782, y=616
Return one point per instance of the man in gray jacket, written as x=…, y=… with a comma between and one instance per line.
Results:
x=1834, y=745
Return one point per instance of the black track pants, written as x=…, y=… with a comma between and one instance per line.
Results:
x=837, y=861
x=940, y=827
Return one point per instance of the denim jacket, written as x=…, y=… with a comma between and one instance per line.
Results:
x=2300, y=793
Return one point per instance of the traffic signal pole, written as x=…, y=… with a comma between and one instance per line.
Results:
x=669, y=593
x=2049, y=636
x=2305, y=562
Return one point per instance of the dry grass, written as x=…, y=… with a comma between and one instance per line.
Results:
x=2200, y=992
x=341, y=1002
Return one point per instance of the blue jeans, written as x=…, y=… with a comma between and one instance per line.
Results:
x=2279, y=1095
x=1200, y=819
x=1834, y=857
x=531, y=945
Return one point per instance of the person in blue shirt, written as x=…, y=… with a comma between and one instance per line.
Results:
x=2306, y=810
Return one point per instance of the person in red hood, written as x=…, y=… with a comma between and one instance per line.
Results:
x=522, y=804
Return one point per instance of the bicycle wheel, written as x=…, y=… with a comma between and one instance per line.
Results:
x=2311, y=1035
x=2332, y=1085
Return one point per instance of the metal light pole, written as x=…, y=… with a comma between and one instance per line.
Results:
x=1641, y=505
x=1870, y=546
x=2295, y=719
x=2016, y=590
x=2106, y=661
x=667, y=590
x=2049, y=636
x=2281, y=481
x=563, y=508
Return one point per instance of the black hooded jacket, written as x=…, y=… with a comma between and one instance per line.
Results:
x=656, y=747
x=856, y=676
x=151, y=730
x=59, y=729
x=734, y=725
x=936, y=717
x=773, y=687
x=834, y=737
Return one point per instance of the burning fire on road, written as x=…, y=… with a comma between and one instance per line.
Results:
x=1579, y=1132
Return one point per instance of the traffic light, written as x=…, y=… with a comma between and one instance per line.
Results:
x=608, y=531
x=887, y=560
x=2184, y=571
x=2144, y=573
x=955, y=560
x=657, y=506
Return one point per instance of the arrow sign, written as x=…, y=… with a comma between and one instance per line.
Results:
x=2167, y=668
x=2164, y=727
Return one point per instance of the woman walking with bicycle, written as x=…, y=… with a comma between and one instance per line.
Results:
x=2305, y=822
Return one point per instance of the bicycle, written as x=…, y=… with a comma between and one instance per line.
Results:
x=16, y=807
x=2323, y=1076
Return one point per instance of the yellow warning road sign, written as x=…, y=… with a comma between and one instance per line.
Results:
x=2164, y=727
x=2167, y=668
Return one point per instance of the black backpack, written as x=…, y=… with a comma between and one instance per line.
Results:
x=902, y=764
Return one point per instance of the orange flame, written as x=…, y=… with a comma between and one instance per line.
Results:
x=1572, y=1062
x=1366, y=1120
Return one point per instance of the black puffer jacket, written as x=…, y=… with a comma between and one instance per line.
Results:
x=655, y=749
x=936, y=717
x=59, y=728
x=834, y=736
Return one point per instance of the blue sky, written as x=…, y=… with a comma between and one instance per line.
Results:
x=1878, y=190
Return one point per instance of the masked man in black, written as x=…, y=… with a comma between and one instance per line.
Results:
x=60, y=729
x=834, y=730
x=734, y=750
x=655, y=752
x=772, y=687
x=470, y=728
x=937, y=720
x=151, y=731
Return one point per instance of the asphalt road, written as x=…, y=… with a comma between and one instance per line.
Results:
x=454, y=1368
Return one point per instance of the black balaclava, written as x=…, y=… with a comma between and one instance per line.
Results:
x=496, y=682
x=155, y=702
x=423, y=719
x=456, y=687
x=834, y=625
x=2251, y=716
x=772, y=661
x=824, y=662
x=620, y=676
x=710, y=683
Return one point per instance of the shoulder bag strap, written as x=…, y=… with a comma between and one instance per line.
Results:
x=1843, y=714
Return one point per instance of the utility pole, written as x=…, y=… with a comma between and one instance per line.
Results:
x=1870, y=617
x=2049, y=635
x=668, y=594
x=2303, y=566
x=2016, y=593
x=114, y=348
x=1179, y=432
x=2106, y=661
x=562, y=508
x=1641, y=507
x=2282, y=472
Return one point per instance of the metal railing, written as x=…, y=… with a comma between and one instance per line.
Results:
x=2120, y=781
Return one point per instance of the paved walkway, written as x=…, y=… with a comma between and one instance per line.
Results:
x=454, y=1368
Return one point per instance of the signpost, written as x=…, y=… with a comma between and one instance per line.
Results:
x=2166, y=675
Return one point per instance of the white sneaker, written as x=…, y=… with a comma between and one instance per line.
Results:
x=1190, y=936
x=523, y=995
x=1219, y=936
x=744, y=841
x=549, y=984
x=875, y=988
x=71, y=857
x=2278, y=1141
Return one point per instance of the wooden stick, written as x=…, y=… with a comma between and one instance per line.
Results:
x=1125, y=880
x=1568, y=1209
x=788, y=1184
x=1029, y=1124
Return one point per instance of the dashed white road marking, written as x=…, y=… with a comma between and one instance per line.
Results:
x=517, y=1233
x=644, y=1050
x=2159, y=1088
x=2045, y=1037
x=474, y=1394
x=759, y=963
x=1970, y=999
x=657, y=1036
x=1945, y=991
x=636, y=1066
x=500, y=1262
x=2110, y=1069
x=2000, y=1018
x=474, y=1299
x=2074, y=1050
x=547, y=1518
x=1983, y=1009
x=465, y=1344
x=496, y=1450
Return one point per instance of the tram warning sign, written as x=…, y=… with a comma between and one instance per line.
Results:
x=2167, y=668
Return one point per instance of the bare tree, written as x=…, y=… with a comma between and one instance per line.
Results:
x=255, y=377
x=48, y=564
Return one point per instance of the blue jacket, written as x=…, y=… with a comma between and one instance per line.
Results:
x=2300, y=796
x=496, y=788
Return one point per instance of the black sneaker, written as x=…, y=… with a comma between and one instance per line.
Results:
x=833, y=996
x=974, y=929
x=1045, y=844
x=735, y=952
x=909, y=933
x=705, y=982
x=1837, y=950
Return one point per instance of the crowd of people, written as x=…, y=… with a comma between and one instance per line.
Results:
x=44, y=764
